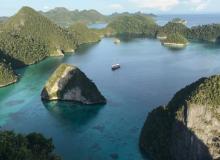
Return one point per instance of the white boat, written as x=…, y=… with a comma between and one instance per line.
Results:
x=117, y=41
x=115, y=66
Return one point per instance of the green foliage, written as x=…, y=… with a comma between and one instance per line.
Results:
x=175, y=38
x=134, y=24
x=205, y=91
x=65, y=18
x=7, y=75
x=83, y=34
x=20, y=50
x=155, y=135
x=205, y=32
x=28, y=22
x=114, y=16
x=25, y=147
x=209, y=33
x=157, y=131
x=170, y=28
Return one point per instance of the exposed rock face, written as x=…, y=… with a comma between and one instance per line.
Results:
x=188, y=128
x=7, y=75
x=70, y=84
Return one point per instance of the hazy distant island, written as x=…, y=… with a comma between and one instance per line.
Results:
x=188, y=127
x=66, y=18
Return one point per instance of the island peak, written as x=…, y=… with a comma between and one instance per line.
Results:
x=188, y=127
x=68, y=83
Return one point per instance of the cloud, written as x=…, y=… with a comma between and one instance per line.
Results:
x=46, y=7
x=198, y=4
x=156, y=4
x=116, y=6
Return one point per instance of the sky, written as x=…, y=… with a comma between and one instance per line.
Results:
x=10, y=7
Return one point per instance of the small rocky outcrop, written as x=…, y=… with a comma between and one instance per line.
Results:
x=68, y=83
x=188, y=128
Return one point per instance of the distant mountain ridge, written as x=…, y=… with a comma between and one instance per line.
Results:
x=65, y=17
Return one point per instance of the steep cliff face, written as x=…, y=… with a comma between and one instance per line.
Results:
x=70, y=84
x=188, y=128
x=7, y=75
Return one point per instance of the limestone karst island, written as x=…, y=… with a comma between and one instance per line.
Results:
x=110, y=80
x=68, y=83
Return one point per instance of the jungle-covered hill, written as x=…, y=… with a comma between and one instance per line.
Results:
x=65, y=17
x=134, y=24
x=33, y=146
x=29, y=37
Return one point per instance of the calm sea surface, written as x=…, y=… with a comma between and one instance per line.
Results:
x=193, y=20
x=150, y=75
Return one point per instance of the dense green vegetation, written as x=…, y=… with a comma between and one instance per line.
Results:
x=204, y=91
x=29, y=37
x=83, y=34
x=170, y=28
x=209, y=33
x=114, y=16
x=65, y=17
x=134, y=24
x=7, y=75
x=21, y=50
x=175, y=38
x=157, y=131
x=156, y=134
x=26, y=147
x=28, y=22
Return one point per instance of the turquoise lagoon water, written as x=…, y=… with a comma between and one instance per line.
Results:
x=149, y=76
